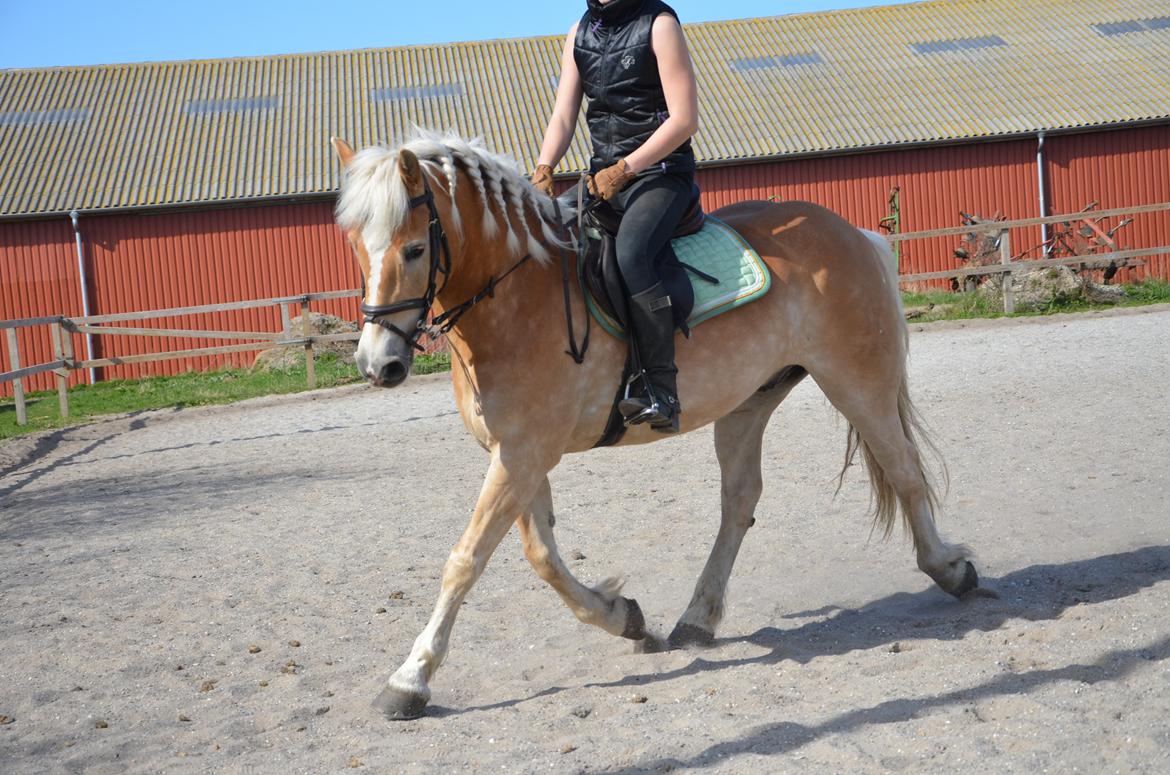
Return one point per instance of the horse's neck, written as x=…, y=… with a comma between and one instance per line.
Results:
x=519, y=298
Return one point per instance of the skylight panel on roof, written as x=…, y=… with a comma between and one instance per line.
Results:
x=957, y=44
x=750, y=64
x=40, y=117
x=425, y=91
x=1132, y=25
x=232, y=105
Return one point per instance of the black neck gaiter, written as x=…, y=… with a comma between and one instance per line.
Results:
x=615, y=11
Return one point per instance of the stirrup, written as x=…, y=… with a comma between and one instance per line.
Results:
x=658, y=421
x=648, y=409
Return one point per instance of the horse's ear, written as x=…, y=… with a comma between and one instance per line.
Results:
x=343, y=150
x=410, y=172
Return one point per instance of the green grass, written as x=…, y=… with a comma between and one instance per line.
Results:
x=87, y=402
x=431, y=364
x=1150, y=291
x=961, y=306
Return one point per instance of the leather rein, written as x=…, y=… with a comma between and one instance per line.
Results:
x=440, y=252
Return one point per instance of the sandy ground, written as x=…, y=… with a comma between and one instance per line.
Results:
x=142, y=560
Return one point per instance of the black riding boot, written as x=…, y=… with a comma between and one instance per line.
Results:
x=652, y=332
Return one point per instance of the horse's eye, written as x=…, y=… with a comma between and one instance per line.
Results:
x=413, y=252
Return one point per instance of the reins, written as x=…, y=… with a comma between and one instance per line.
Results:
x=577, y=354
x=441, y=264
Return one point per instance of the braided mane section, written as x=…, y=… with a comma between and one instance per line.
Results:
x=374, y=200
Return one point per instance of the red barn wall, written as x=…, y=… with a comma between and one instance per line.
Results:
x=936, y=185
x=191, y=257
x=38, y=277
x=1117, y=169
x=173, y=259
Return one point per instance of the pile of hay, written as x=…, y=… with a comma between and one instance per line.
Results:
x=1042, y=288
x=285, y=357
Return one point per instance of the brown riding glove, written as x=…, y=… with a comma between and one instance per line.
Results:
x=542, y=179
x=610, y=180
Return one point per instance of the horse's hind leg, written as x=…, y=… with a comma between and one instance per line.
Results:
x=601, y=605
x=738, y=444
x=884, y=418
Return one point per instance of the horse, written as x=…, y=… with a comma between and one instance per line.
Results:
x=442, y=226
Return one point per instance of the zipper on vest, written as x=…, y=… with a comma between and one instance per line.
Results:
x=606, y=48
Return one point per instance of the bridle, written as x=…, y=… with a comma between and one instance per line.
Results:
x=441, y=264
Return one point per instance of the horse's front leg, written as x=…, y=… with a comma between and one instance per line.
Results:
x=600, y=605
x=508, y=489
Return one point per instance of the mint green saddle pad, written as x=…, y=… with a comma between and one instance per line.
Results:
x=719, y=251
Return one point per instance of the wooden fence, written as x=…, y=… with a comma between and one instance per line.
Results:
x=1007, y=266
x=61, y=328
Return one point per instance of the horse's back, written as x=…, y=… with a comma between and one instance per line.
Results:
x=803, y=239
x=835, y=279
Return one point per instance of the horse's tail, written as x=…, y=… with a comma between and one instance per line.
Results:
x=883, y=496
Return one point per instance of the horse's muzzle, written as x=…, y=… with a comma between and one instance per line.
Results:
x=392, y=374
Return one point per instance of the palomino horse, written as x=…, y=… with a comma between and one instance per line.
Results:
x=441, y=220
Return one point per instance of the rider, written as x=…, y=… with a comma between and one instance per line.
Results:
x=630, y=58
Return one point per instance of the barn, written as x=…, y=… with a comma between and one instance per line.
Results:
x=168, y=184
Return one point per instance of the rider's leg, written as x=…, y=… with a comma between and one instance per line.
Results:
x=651, y=209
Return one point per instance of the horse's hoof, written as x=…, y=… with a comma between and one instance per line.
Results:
x=970, y=581
x=684, y=635
x=399, y=706
x=635, y=622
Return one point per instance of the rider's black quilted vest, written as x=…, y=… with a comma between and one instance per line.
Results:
x=619, y=74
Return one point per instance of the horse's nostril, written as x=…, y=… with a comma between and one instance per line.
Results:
x=394, y=372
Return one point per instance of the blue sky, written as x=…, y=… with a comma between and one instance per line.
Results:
x=75, y=32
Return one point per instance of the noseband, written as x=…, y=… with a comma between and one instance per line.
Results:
x=440, y=264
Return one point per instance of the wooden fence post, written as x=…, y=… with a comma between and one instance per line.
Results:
x=67, y=332
x=62, y=373
x=307, y=332
x=18, y=383
x=1005, y=258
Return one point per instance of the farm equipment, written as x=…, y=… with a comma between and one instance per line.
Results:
x=1084, y=236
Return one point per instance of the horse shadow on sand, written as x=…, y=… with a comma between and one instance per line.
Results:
x=1034, y=593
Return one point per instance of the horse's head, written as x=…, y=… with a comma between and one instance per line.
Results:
x=399, y=208
x=388, y=214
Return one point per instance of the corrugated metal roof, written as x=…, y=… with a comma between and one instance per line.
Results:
x=168, y=133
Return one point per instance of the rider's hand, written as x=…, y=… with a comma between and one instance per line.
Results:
x=610, y=180
x=542, y=179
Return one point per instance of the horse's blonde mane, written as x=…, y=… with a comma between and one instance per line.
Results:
x=375, y=202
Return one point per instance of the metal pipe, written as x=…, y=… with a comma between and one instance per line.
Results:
x=1043, y=195
x=83, y=280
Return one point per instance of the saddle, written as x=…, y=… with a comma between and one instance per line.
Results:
x=598, y=258
x=709, y=243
